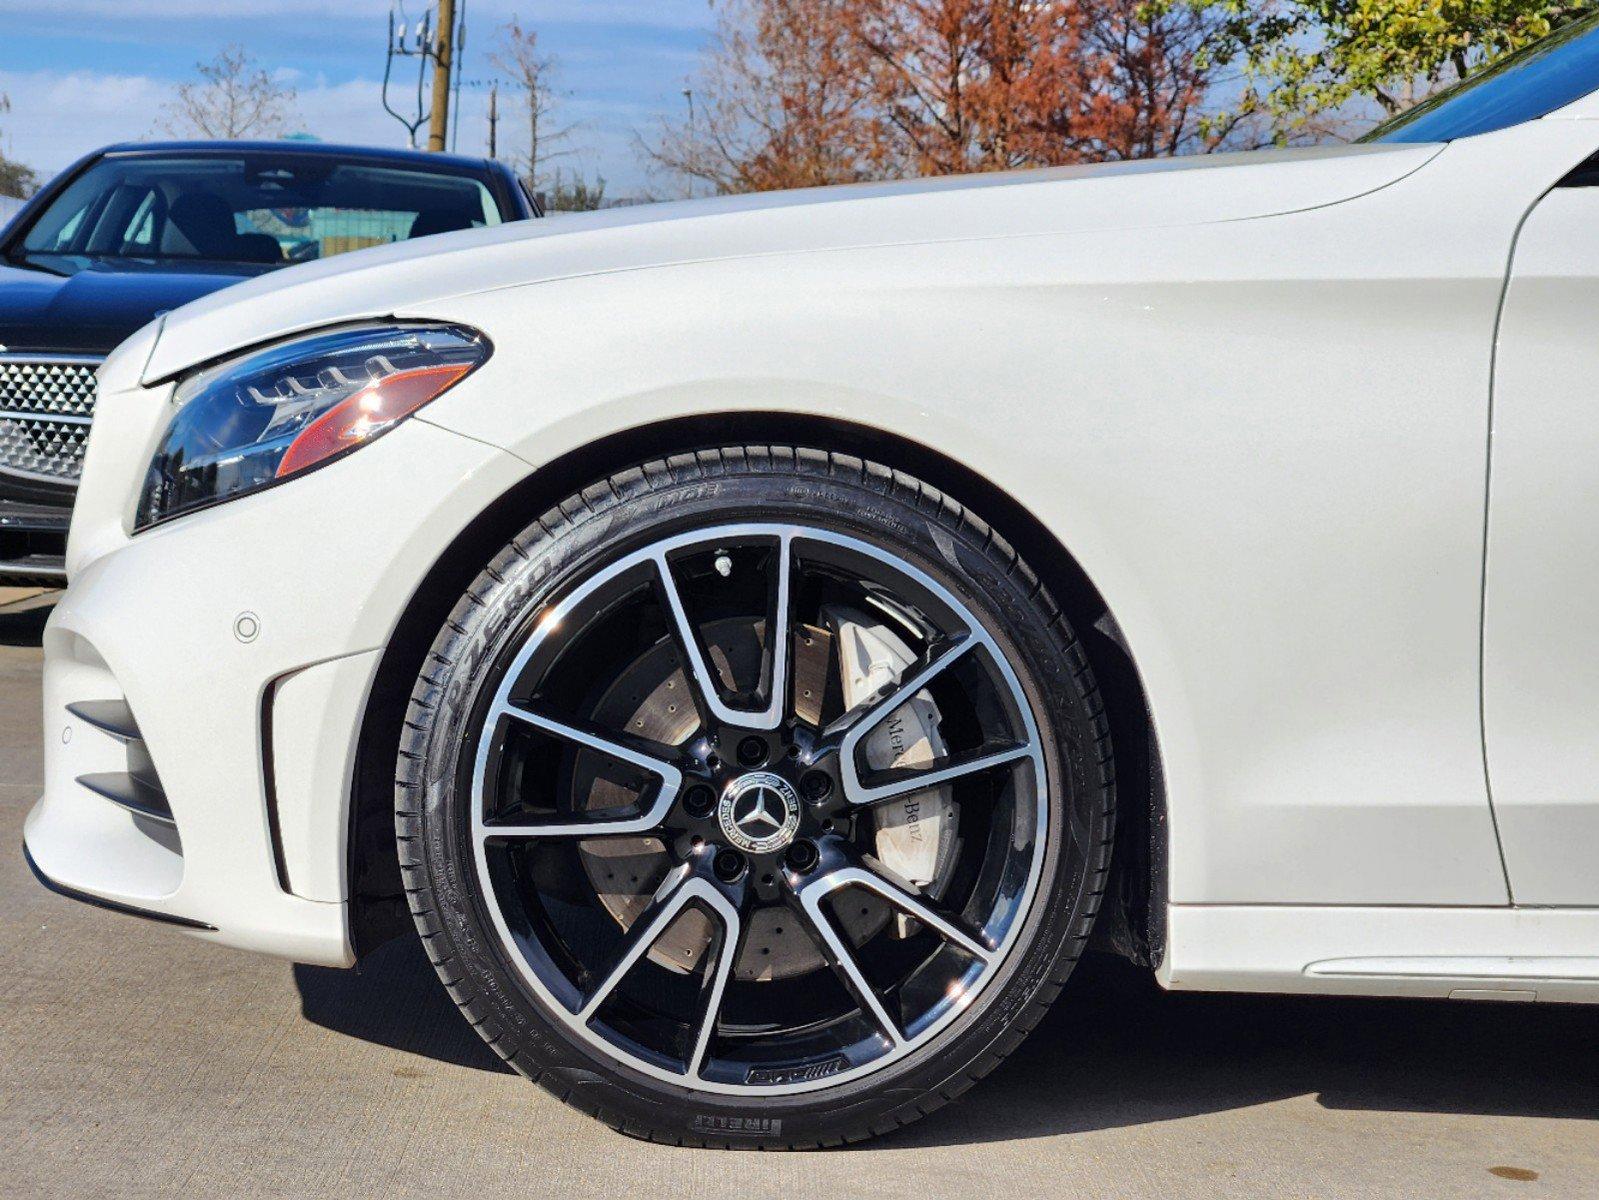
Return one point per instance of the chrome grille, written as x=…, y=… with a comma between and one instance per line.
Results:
x=46, y=403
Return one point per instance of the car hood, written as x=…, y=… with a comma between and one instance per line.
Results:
x=403, y=279
x=93, y=310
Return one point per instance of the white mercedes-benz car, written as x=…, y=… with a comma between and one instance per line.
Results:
x=763, y=642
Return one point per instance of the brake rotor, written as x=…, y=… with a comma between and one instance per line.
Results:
x=651, y=699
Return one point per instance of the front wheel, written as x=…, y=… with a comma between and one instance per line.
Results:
x=757, y=797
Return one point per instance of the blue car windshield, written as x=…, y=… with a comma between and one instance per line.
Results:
x=252, y=209
x=1526, y=85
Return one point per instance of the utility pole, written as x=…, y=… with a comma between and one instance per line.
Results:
x=439, y=126
x=494, y=117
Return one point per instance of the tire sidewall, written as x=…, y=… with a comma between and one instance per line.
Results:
x=568, y=546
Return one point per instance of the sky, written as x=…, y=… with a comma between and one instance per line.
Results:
x=84, y=73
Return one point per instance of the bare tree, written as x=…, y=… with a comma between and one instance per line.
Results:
x=19, y=181
x=781, y=100
x=533, y=74
x=233, y=98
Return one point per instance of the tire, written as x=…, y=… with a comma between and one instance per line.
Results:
x=462, y=880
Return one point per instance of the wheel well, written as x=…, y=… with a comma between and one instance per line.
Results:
x=1132, y=919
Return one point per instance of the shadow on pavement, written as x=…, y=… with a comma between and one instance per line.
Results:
x=394, y=999
x=1118, y=1051
x=22, y=621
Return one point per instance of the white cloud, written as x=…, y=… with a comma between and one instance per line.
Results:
x=677, y=14
x=612, y=83
x=58, y=116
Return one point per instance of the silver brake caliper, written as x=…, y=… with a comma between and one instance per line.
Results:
x=916, y=833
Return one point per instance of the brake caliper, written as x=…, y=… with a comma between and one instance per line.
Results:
x=915, y=832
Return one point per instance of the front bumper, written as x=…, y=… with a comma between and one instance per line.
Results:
x=242, y=642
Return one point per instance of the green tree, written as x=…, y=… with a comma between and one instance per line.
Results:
x=15, y=179
x=1308, y=65
x=576, y=193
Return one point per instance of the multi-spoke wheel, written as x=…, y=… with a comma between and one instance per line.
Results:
x=769, y=812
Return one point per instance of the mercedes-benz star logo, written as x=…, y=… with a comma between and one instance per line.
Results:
x=754, y=810
x=759, y=813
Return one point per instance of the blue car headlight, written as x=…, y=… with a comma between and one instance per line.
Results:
x=272, y=414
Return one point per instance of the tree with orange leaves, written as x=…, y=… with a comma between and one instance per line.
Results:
x=800, y=92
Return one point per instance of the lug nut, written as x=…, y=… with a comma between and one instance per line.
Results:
x=752, y=752
x=728, y=865
x=803, y=856
x=817, y=786
x=699, y=800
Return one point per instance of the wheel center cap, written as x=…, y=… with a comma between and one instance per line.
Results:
x=759, y=812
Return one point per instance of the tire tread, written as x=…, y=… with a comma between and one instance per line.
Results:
x=595, y=501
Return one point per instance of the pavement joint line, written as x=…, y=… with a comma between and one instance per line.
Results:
x=15, y=601
x=135, y=1061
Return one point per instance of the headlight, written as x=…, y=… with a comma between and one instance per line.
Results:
x=275, y=413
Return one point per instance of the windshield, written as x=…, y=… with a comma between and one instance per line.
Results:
x=251, y=210
x=1523, y=86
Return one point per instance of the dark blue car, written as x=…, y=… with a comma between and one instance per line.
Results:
x=132, y=231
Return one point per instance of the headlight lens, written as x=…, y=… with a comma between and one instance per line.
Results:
x=275, y=413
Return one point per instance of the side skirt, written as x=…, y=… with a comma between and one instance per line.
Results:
x=1455, y=953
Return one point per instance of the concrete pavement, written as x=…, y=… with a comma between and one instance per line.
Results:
x=136, y=1062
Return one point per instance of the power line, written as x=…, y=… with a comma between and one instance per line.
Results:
x=436, y=41
x=419, y=47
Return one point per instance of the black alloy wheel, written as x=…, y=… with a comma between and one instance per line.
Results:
x=755, y=797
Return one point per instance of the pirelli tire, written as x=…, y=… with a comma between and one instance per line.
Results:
x=758, y=505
